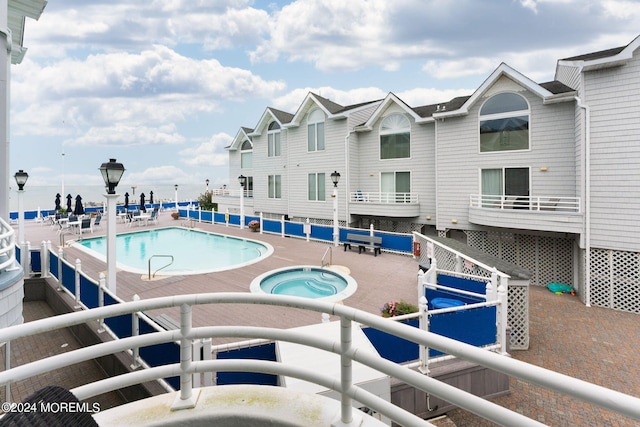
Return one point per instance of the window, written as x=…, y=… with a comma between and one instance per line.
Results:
x=315, y=131
x=395, y=140
x=504, y=123
x=246, y=155
x=395, y=187
x=317, y=186
x=508, y=182
x=273, y=135
x=248, y=191
x=275, y=186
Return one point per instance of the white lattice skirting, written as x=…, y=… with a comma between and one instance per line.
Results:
x=615, y=279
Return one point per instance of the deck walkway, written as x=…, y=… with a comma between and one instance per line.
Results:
x=593, y=344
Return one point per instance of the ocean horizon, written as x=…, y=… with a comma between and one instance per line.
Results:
x=43, y=197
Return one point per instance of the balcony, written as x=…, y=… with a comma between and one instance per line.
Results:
x=384, y=204
x=543, y=213
x=230, y=199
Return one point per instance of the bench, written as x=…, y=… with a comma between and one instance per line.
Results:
x=364, y=242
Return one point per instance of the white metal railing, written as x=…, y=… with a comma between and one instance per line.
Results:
x=530, y=203
x=618, y=402
x=231, y=193
x=385, y=198
x=7, y=246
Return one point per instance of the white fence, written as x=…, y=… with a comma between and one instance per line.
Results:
x=613, y=400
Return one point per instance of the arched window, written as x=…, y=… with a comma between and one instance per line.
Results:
x=504, y=123
x=246, y=155
x=315, y=131
x=395, y=137
x=273, y=135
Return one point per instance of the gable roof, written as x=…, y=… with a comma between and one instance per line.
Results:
x=331, y=109
x=391, y=98
x=270, y=114
x=550, y=92
x=604, y=58
x=242, y=136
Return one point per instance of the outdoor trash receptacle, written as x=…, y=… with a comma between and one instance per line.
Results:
x=445, y=303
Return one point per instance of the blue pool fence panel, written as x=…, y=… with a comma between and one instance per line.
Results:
x=294, y=229
x=69, y=278
x=36, y=262
x=396, y=242
x=18, y=251
x=470, y=285
x=271, y=226
x=88, y=292
x=219, y=217
x=206, y=216
x=322, y=232
x=393, y=348
x=259, y=352
x=160, y=354
x=476, y=326
x=53, y=265
x=234, y=219
x=120, y=325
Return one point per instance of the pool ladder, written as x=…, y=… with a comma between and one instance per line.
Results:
x=330, y=252
x=164, y=266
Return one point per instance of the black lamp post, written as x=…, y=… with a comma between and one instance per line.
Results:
x=111, y=174
x=21, y=179
x=335, y=178
x=207, y=182
x=243, y=182
x=175, y=187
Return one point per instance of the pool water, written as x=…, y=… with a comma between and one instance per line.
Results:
x=193, y=251
x=306, y=282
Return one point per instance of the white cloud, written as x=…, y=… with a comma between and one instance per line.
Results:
x=123, y=135
x=165, y=174
x=210, y=153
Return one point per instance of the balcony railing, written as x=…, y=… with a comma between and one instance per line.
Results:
x=378, y=197
x=529, y=203
x=223, y=192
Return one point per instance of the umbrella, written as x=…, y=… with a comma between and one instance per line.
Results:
x=126, y=201
x=69, y=203
x=142, y=206
x=151, y=196
x=58, y=202
x=79, y=210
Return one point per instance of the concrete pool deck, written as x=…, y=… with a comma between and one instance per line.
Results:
x=594, y=344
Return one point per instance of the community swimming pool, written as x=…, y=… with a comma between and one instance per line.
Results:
x=307, y=282
x=193, y=251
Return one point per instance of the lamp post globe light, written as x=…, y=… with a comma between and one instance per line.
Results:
x=111, y=174
x=21, y=179
x=243, y=182
x=335, y=178
x=175, y=187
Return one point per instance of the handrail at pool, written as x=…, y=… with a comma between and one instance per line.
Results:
x=164, y=266
x=616, y=401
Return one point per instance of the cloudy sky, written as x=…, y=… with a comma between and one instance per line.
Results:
x=164, y=85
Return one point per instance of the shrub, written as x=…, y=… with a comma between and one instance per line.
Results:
x=397, y=308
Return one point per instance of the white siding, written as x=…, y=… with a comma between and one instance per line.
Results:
x=421, y=164
x=552, y=145
x=614, y=97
